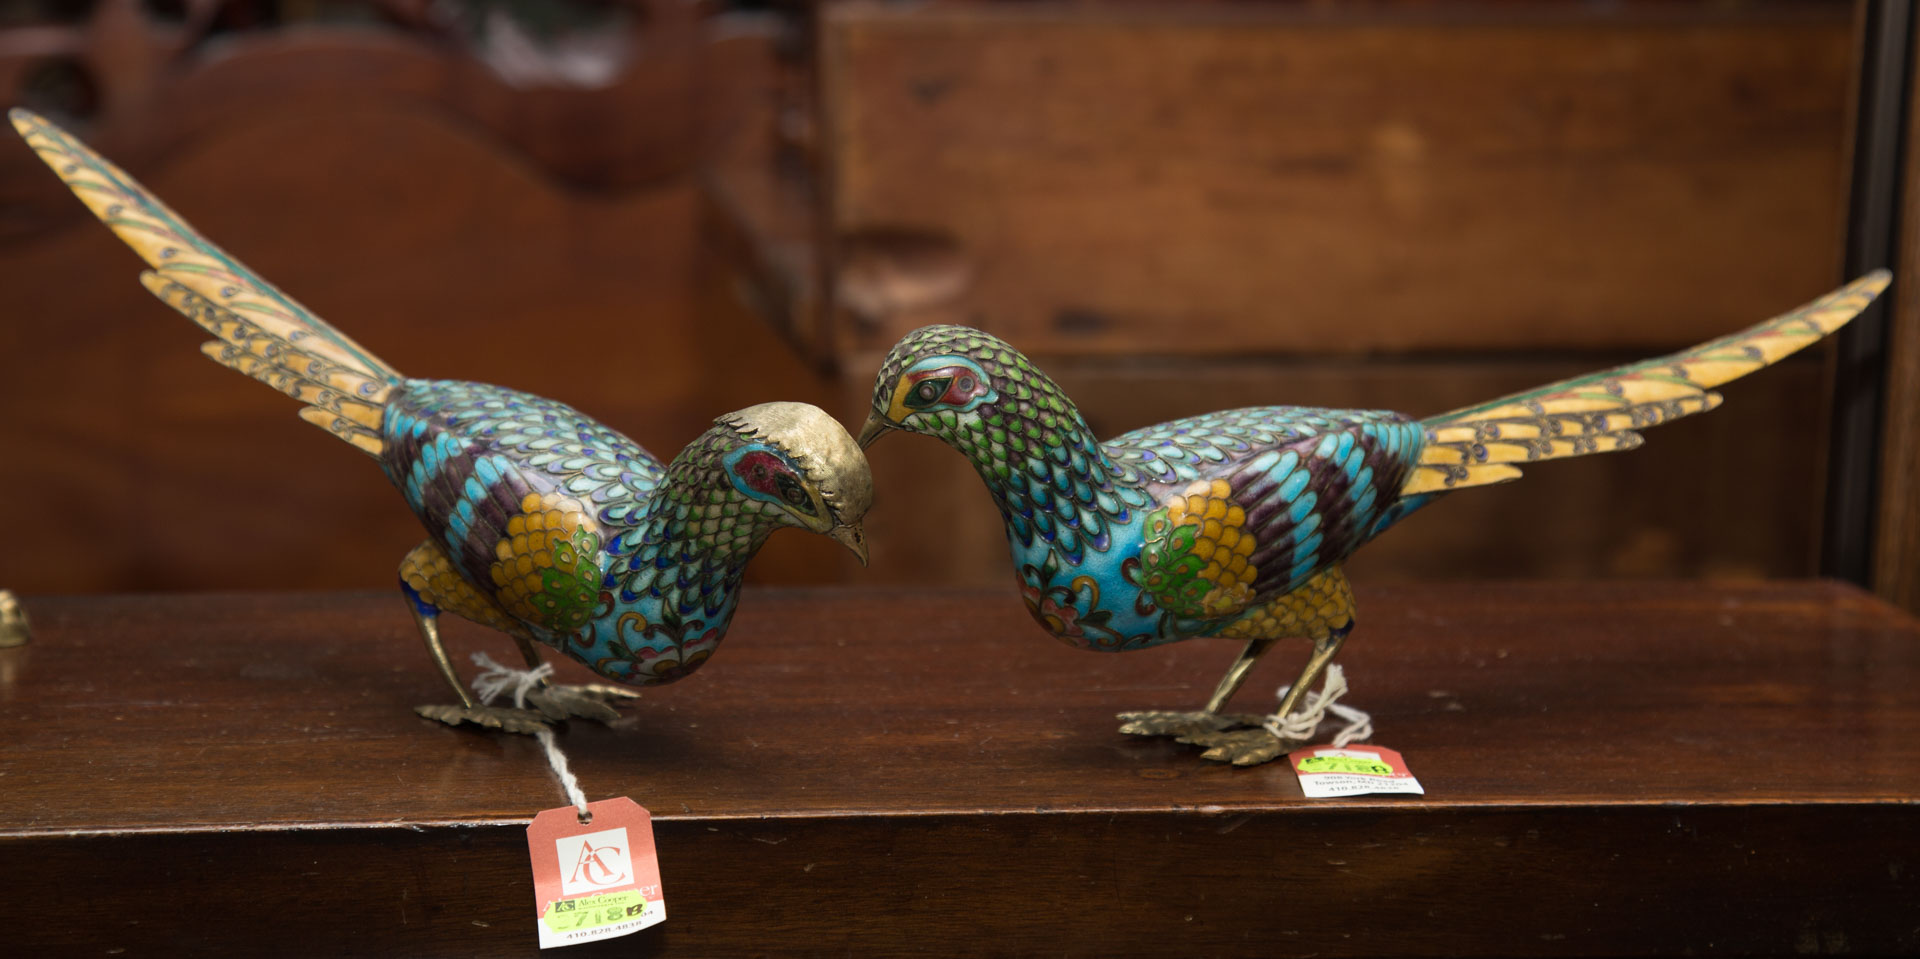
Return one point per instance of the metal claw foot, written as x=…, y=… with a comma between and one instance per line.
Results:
x=1238, y=738
x=524, y=721
x=590, y=701
x=1241, y=747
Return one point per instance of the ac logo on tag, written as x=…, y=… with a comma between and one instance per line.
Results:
x=594, y=861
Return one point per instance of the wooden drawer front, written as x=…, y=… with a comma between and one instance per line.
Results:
x=1199, y=181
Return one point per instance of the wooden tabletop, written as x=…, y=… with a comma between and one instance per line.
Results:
x=1609, y=768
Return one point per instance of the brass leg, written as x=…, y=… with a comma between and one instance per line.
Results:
x=430, y=630
x=531, y=655
x=1237, y=673
x=1241, y=740
x=427, y=617
x=1157, y=722
x=1323, y=652
x=1322, y=607
x=589, y=701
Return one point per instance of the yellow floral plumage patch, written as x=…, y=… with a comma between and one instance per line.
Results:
x=544, y=571
x=1320, y=606
x=430, y=572
x=1195, y=561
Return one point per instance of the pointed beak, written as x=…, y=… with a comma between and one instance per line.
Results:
x=853, y=538
x=876, y=426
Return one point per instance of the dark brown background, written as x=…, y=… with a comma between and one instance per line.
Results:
x=1175, y=207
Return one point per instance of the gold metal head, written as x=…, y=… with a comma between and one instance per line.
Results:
x=834, y=466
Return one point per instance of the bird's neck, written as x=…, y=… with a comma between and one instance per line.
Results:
x=698, y=532
x=1034, y=450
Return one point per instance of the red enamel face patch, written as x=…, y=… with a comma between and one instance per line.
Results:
x=965, y=387
x=962, y=385
x=759, y=470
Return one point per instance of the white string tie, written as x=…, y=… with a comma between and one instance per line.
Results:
x=1300, y=726
x=495, y=679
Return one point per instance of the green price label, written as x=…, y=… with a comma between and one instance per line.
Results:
x=1345, y=764
x=592, y=912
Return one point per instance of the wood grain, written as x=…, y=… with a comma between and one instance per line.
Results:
x=1180, y=209
x=1234, y=179
x=1896, y=560
x=1610, y=769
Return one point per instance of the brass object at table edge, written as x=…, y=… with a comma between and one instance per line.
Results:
x=14, y=630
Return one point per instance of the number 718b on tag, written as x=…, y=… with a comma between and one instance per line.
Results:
x=594, y=880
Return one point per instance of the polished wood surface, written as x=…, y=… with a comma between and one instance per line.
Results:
x=1609, y=769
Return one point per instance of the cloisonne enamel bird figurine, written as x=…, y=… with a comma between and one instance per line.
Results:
x=542, y=523
x=1235, y=524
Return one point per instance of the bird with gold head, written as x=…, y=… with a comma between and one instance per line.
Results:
x=541, y=522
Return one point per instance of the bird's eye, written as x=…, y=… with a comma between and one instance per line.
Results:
x=927, y=392
x=795, y=496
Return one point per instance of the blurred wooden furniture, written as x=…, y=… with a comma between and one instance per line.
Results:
x=1177, y=208
x=1185, y=207
x=1610, y=769
x=145, y=78
x=1896, y=517
x=384, y=170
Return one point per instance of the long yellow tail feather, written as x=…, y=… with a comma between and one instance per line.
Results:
x=1602, y=412
x=262, y=332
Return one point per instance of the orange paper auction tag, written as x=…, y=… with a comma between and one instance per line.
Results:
x=1327, y=771
x=594, y=880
